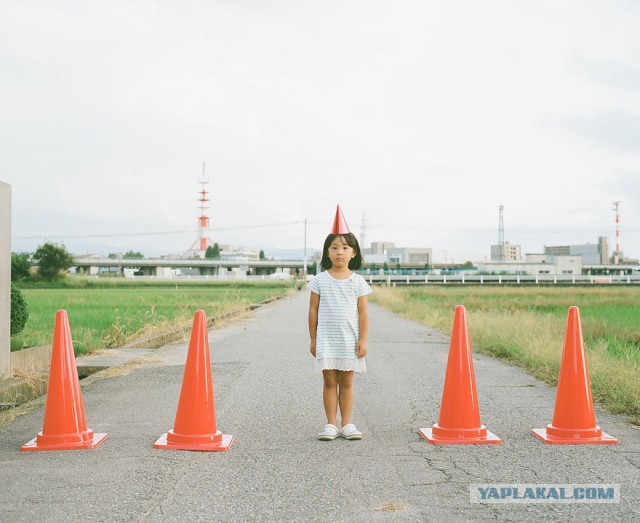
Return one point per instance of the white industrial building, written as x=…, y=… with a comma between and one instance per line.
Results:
x=506, y=252
x=591, y=253
x=381, y=252
x=535, y=264
x=410, y=255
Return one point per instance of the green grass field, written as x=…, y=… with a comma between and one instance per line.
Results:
x=526, y=326
x=108, y=314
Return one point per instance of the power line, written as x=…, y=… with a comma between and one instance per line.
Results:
x=492, y=230
x=369, y=226
x=152, y=233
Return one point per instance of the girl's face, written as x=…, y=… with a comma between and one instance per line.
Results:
x=340, y=253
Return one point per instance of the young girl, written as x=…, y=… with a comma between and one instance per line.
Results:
x=339, y=326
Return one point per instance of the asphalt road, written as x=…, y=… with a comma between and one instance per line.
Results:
x=269, y=399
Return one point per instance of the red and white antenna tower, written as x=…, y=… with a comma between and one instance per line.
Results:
x=203, y=240
x=616, y=209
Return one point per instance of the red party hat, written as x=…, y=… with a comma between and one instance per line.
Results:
x=339, y=223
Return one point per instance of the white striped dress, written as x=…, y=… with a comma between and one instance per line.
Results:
x=338, y=326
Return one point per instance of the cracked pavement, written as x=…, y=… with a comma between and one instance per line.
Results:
x=269, y=399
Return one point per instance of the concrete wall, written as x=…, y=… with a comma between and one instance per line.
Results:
x=5, y=278
x=34, y=358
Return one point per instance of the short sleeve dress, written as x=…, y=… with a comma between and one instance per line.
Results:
x=338, y=326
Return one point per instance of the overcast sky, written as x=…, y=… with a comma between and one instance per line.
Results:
x=420, y=116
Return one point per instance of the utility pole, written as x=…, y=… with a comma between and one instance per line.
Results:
x=501, y=231
x=304, y=270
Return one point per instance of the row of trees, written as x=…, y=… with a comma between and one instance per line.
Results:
x=129, y=255
x=52, y=260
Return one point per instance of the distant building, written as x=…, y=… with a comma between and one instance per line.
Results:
x=377, y=253
x=376, y=258
x=410, y=255
x=387, y=252
x=591, y=254
x=379, y=248
x=536, y=264
x=506, y=252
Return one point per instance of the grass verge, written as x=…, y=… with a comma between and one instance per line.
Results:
x=105, y=315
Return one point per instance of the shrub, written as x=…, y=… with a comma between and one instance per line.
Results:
x=19, y=311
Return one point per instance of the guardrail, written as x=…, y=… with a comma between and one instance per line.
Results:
x=432, y=279
x=477, y=279
x=277, y=276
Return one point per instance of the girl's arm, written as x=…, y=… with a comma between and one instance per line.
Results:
x=314, y=303
x=363, y=319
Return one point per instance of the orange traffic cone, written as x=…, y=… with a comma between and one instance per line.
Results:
x=195, y=424
x=574, y=420
x=65, y=425
x=459, y=421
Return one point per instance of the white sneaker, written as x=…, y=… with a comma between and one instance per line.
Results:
x=328, y=433
x=350, y=431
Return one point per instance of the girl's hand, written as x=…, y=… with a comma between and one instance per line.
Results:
x=361, y=349
x=313, y=349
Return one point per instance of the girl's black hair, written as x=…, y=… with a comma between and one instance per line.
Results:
x=355, y=263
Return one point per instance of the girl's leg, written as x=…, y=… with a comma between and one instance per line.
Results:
x=330, y=395
x=345, y=395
